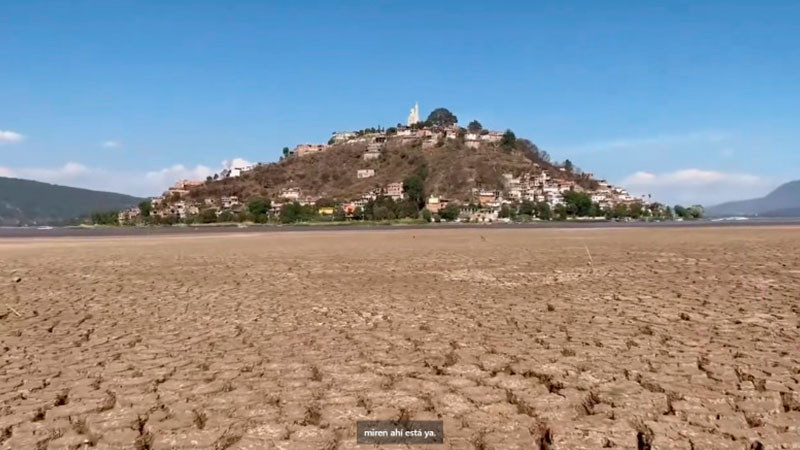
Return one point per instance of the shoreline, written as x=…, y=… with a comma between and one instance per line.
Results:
x=69, y=232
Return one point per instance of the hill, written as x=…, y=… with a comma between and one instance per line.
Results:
x=784, y=201
x=26, y=202
x=452, y=170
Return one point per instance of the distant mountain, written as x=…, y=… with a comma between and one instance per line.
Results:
x=26, y=202
x=782, y=202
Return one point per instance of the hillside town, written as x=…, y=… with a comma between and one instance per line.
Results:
x=541, y=193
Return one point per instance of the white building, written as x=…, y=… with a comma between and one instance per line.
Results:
x=365, y=173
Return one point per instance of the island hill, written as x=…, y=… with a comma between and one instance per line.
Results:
x=429, y=170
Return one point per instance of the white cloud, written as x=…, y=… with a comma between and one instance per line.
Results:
x=10, y=137
x=236, y=162
x=690, y=186
x=141, y=183
x=111, y=144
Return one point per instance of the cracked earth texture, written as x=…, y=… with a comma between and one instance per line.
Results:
x=516, y=339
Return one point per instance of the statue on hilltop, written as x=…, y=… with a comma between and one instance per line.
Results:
x=413, y=117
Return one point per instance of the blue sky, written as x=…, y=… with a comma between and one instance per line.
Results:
x=689, y=101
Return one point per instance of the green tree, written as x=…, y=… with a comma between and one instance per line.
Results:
x=426, y=215
x=543, y=211
x=474, y=127
x=560, y=212
x=358, y=213
x=339, y=215
x=568, y=166
x=527, y=208
x=259, y=206
x=105, y=217
x=635, y=210
x=208, y=215
x=407, y=209
x=285, y=151
x=225, y=216
x=578, y=203
x=441, y=117
x=450, y=212
x=146, y=207
x=508, y=141
x=505, y=212
x=414, y=188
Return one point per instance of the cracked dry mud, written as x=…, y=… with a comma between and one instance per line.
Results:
x=670, y=339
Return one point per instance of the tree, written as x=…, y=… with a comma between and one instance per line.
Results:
x=635, y=210
x=560, y=212
x=474, y=127
x=568, y=166
x=441, y=117
x=146, y=207
x=208, y=216
x=578, y=203
x=407, y=209
x=105, y=218
x=680, y=211
x=358, y=213
x=414, y=188
x=426, y=215
x=294, y=212
x=543, y=211
x=225, y=216
x=338, y=214
x=259, y=206
x=505, y=212
x=527, y=208
x=508, y=140
x=450, y=212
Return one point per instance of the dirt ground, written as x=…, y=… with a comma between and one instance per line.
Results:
x=517, y=339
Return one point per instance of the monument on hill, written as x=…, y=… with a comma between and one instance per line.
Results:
x=413, y=117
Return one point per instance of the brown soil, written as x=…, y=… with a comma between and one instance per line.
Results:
x=668, y=338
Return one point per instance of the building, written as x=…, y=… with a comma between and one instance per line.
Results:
x=291, y=193
x=487, y=197
x=128, y=215
x=229, y=202
x=472, y=140
x=308, y=149
x=435, y=204
x=491, y=136
x=343, y=136
x=365, y=173
x=394, y=190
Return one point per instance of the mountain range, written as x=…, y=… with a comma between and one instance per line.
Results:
x=784, y=201
x=26, y=202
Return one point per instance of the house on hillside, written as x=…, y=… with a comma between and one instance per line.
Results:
x=365, y=173
x=472, y=140
x=492, y=137
x=394, y=190
x=292, y=194
x=340, y=137
x=308, y=149
x=230, y=202
x=436, y=204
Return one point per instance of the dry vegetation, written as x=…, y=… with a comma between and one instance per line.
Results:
x=453, y=171
x=671, y=338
